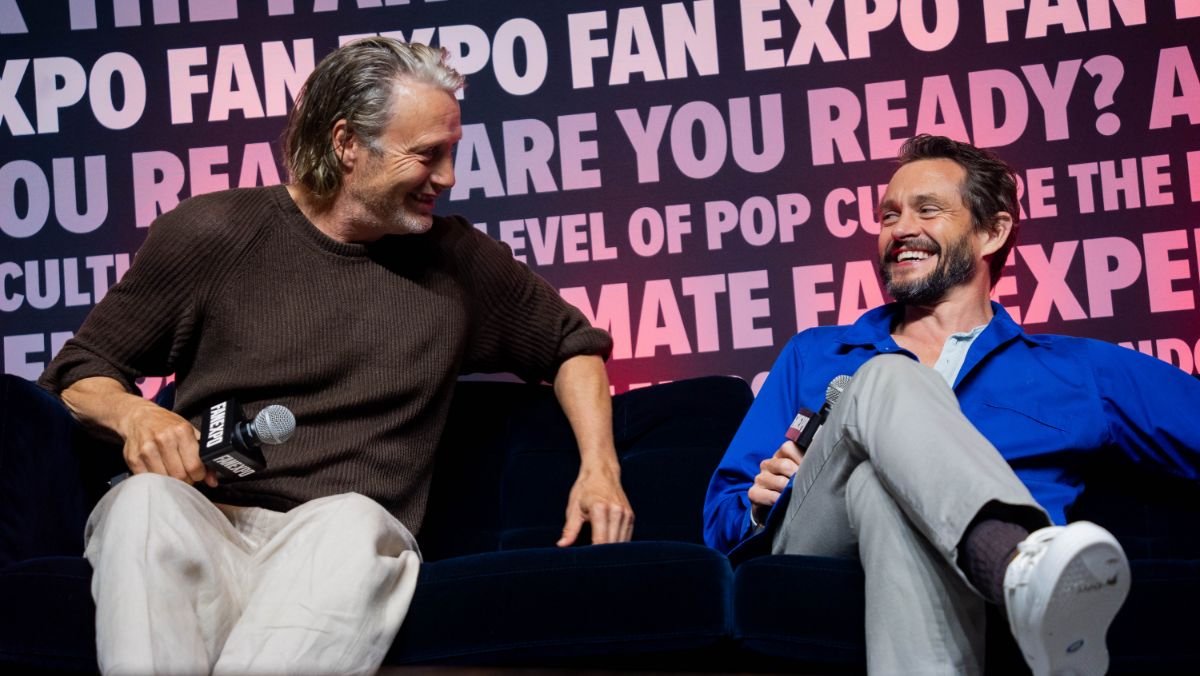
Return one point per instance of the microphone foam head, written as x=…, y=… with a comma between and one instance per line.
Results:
x=835, y=389
x=274, y=424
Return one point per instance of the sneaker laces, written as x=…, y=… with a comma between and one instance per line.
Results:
x=1030, y=551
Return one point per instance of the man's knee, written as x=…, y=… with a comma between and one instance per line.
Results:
x=891, y=376
x=152, y=492
x=151, y=509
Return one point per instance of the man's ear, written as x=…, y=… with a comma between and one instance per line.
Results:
x=997, y=232
x=345, y=144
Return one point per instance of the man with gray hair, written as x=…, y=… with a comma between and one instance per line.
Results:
x=341, y=296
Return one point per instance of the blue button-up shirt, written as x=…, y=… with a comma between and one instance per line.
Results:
x=1048, y=403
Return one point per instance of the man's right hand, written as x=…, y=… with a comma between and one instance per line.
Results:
x=161, y=442
x=155, y=440
x=773, y=477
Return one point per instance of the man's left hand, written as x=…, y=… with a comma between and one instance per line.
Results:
x=597, y=497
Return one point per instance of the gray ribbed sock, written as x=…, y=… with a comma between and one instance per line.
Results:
x=985, y=552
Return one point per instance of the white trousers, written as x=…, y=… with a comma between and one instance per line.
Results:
x=183, y=586
x=895, y=477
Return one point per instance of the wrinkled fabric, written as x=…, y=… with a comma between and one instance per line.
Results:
x=183, y=586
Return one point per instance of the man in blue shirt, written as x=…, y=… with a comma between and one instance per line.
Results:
x=958, y=442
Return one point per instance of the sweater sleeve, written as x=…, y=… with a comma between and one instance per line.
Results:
x=142, y=322
x=520, y=324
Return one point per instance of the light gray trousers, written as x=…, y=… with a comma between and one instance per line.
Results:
x=895, y=477
x=183, y=586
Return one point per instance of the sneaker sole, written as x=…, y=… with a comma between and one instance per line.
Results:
x=1091, y=586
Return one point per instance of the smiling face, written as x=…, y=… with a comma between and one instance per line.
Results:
x=391, y=182
x=928, y=244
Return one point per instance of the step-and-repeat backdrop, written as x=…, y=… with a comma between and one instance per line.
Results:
x=698, y=177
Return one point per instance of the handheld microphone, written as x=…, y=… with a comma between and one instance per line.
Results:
x=230, y=446
x=804, y=427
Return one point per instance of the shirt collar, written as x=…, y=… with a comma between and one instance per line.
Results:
x=874, y=329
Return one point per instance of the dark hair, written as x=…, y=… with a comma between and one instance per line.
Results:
x=356, y=83
x=990, y=185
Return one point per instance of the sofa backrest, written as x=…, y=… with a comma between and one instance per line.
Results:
x=1153, y=514
x=508, y=460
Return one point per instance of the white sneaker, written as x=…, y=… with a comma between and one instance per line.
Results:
x=1061, y=593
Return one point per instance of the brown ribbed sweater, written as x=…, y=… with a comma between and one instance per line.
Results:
x=239, y=295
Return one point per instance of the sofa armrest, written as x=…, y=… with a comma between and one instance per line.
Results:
x=51, y=473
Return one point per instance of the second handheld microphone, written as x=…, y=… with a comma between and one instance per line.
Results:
x=804, y=427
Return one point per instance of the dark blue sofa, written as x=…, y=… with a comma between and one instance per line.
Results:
x=494, y=590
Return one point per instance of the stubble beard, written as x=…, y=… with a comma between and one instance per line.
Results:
x=409, y=223
x=392, y=215
x=388, y=210
x=956, y=266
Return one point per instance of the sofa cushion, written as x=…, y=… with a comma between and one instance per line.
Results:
x=534, y=605
x=508, y=459
x=669, y=438
x=544, y=606
x=807, y=610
